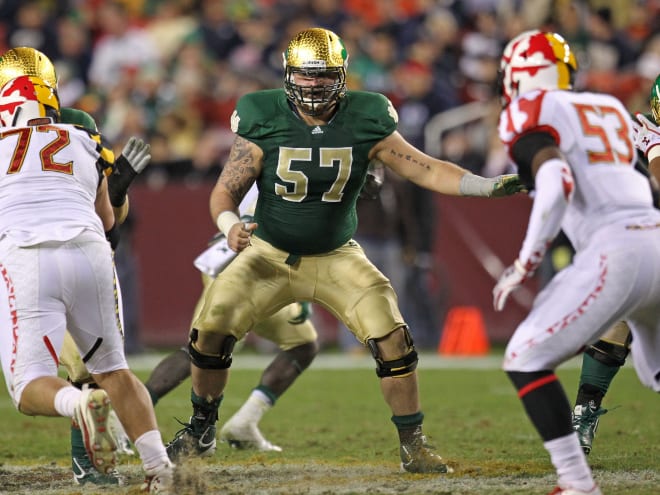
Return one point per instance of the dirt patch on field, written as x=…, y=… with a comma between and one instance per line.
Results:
x=204, y=477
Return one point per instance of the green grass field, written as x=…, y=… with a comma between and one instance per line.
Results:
x=337, y=436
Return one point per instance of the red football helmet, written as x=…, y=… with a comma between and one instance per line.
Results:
x=25, y=98
x=536, y=60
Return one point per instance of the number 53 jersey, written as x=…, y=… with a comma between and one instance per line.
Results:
x=594, y=133
x=49, y=176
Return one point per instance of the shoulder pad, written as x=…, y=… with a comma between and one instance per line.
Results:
x=253, y=110
x=77, y=117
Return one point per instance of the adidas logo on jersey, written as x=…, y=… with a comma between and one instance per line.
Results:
x=317, y=130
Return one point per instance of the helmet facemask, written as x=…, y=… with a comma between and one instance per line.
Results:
x=315, y=53
x=315, y=100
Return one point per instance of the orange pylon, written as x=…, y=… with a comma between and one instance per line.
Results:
x=464, y=333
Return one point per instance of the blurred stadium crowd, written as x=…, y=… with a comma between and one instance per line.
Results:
x=171, y=70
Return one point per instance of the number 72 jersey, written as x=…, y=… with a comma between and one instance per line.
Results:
x=49, y=176
x=594, y=133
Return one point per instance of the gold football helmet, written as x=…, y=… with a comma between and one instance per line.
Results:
x=25, y=98
x=315, y=52
x=26, y=61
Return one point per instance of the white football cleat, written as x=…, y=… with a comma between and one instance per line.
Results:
x=572, y=491
x=243, y=435
x=159, y=480
x=91, y=414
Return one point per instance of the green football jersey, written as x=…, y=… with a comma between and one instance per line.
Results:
x=78, y=117
x=312, y=175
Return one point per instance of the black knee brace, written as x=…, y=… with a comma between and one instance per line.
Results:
x=396, y=367
x=211, y=362
x=610, y=354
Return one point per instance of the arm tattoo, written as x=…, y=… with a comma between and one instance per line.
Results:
x=240, y=171
x=408, y=158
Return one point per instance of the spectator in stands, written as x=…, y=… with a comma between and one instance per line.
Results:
x=121, y=47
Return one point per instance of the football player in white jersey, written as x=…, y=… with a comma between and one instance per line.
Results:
x=58, y=273
x=576, y=153
x=603, y=359
x=26, y=61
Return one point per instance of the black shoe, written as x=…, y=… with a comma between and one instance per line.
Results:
x=187, y=442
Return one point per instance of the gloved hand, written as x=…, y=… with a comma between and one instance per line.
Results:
x=305, y=313
x=490, y=187
x=374, y=181
x=647, y=136
x=506, y=185
x=135, y=156
x=512, y=278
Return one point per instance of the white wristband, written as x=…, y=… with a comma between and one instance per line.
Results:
x=226, y=220
x=475, y=185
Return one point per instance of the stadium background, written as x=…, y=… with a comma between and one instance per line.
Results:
x=171, y=71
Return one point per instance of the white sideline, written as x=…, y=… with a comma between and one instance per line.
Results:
x=334, y=360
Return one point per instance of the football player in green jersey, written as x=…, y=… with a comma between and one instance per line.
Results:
x=134, y=158
x=308, y=147
x=602, y=360
x=289, y=328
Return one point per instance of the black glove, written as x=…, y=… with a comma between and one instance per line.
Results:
x=133, y=159
x=374, y=181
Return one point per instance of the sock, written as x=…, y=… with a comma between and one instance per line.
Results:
x=588, y=394
x=152, y=451
x=65, y=401
x=267, y=394
x=409, y=427
x=595, y=380
x=254, y=407
x=570, y=463
x=77, y=444
x=408, y=421
x=545, y=402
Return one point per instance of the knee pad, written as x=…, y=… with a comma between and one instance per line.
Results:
x=220, y=361
x=405, y=365
x=608, y=353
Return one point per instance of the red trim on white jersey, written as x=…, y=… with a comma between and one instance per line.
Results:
x=521, y=117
